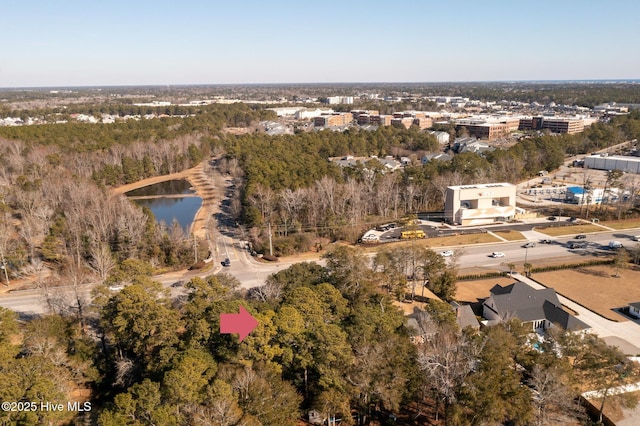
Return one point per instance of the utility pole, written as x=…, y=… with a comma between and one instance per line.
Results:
x=4, y=267
x=270, y=242
x=195, y=248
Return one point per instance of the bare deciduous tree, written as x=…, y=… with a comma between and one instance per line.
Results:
x=264, y=199
x=102, y=261
x=553, y=400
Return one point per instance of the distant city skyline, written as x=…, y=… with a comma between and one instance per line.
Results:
x=73, y=43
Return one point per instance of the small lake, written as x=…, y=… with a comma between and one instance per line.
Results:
x=166, y=203
x=170, y=187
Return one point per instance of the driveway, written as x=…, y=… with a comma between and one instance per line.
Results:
x=625, y=335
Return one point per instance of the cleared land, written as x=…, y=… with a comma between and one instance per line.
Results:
x=569, y=230
x=594, y=287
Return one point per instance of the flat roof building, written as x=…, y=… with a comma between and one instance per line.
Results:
x=480, y=204
x=612, y=162
x=553, y=124
x=482, y=129
x=333, y=120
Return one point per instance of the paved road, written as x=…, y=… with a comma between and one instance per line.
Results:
x=252, y=273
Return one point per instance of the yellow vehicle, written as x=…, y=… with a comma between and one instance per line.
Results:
x=406, y=235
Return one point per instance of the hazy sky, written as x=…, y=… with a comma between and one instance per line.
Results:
x=134, y=42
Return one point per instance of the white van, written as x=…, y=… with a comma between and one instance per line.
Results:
x=615, y=244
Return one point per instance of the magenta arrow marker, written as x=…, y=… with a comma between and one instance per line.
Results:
x=242, y=323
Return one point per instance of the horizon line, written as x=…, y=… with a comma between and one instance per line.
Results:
x=169, y=85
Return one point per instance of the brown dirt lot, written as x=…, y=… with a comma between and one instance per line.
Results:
x=593, y=287
x=596, y=288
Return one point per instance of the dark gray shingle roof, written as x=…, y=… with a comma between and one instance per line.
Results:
x=528, y=304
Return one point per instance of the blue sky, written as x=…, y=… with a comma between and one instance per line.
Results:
x=79, y=43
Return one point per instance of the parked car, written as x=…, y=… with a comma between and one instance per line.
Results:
x=545, y=241
x=581, y=237
x=447, y=253
x=636, y=238
x=497, y=254
x=370, y=238
x=226, y=262
x=529, y=244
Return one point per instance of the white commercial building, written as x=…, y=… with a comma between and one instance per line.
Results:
x=612, y=162
x=306, y=114
x=480, y=204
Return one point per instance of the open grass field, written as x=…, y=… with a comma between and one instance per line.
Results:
x=510, y=235
x=450, y=241
x=594, y=287
x=622, y=224
x=460, y=240
x=569, y=230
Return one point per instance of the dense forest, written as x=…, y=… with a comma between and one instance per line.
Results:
x=329, y=340
x=287, y=181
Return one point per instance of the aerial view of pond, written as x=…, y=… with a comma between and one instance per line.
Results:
x=169, y=200
x=170, y=187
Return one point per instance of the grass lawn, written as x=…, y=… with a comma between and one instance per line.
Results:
x=471, y=291
x=568, y=230
x=450, y=241
x=460, y=240
x=593, y=287
x=510, y=235
x=623, y=224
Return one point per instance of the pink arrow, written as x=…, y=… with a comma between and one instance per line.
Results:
x=242, y=323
